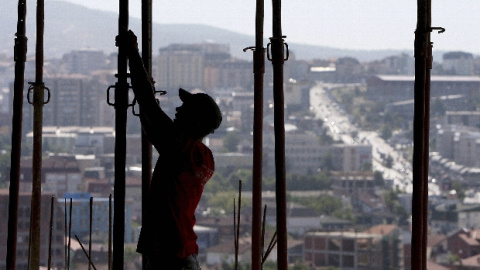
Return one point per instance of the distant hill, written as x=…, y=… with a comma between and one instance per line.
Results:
x=70, y=27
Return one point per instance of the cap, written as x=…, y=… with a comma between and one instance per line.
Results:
x=209, y=108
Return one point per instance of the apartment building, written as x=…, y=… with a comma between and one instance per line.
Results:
x=23, y=230
x=394, y=88
x=377, y=248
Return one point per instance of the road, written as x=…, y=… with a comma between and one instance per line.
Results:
x=342, y=129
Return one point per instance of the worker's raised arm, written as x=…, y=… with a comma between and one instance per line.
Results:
x=155, y=122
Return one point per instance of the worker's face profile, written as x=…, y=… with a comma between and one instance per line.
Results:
x=185, y=116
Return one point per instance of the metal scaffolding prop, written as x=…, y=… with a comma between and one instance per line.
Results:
x=278, y=58
x=20, y=55
x=421, y=122
x=146, y=145
x=121, y=106
x=38, y=88
x=258, y=73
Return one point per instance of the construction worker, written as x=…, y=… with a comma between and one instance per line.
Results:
x=184, y=166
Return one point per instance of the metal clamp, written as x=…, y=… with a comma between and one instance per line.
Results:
x=440, y=29
x=108, y=95
x=249, y=48
x=34, y=85
x=286, y=49
x=134, y=102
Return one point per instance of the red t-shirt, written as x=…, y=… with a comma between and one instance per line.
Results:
x=176, y=190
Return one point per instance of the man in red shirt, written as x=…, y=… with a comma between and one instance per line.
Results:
x=183, y=168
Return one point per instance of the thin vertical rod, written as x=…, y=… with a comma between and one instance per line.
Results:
x=258, y=71
x=38, y=96
x=65, y=233
x=50, y=235
x=90, y=232
x=279, y=130
x=69, y=234
x=121, y=104
x=20, y=52
x=110, y=232
x=146, y=145
x=237, y=223
x=420, y=139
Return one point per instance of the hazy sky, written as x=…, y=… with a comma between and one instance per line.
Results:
x=352, y=24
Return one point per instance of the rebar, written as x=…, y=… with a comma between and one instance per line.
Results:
x=236, y=223
x=50, y=233
x=90, y=231
x=90, y=263
x=110, y=232
x=65, y=238
x=69, y=234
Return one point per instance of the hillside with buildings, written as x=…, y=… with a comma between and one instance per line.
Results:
x=77, y=27
x=348, y=143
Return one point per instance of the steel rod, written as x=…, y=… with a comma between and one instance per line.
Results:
x=121, y=105
x=20, y=55
x=38, y=102
x=90, y=263
x=420, y=138
x=146, y=145
x=258, y=71
x=50, y=235
x=279, y=130
x=90, y=231
x=110, y=253
x=65, y=241
x=69, y=233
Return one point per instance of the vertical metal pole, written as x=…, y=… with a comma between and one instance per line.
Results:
x=110, y=232
x=258, y=71
x=50, y=235
x=90, y=233
x=69, y=234
x=65, y=241
x=146, y=145
x=420, y=139
x=20, y=53
x=38, y=96
x=279, y=122
x=121, y=105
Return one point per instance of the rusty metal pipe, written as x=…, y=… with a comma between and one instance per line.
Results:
x=38, y=102
x=259, y=71
x=420, y=138
x=121, y=105
x=146, y=145
x=279, y=130
x=20, y=52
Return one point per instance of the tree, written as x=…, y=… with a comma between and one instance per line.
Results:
x=231, y=141
x=388, y=161
x=4, y=162
x=378, y=179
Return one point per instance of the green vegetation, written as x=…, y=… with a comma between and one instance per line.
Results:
x=327, y=205
x=391, y=200
x=231, y=141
